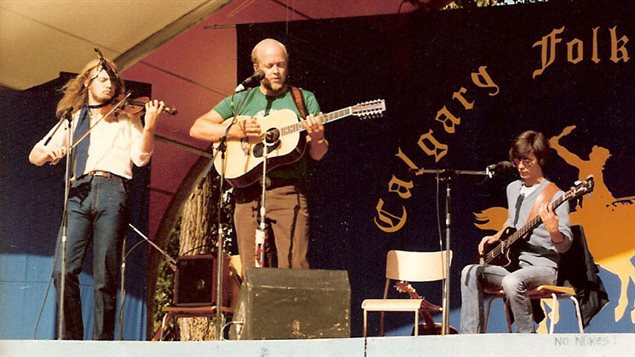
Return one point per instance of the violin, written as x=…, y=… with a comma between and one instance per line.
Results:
x=132, y=107
x=141, y=103
x=123, y=104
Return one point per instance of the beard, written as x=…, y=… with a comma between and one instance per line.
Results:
x=102, y=96
x=273, y=87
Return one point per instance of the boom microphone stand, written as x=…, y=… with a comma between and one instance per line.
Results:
x=122, y=297
x=447, y=176
x=64, y=234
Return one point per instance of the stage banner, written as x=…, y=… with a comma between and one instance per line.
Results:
x=459, y=86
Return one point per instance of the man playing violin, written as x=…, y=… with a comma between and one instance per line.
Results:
x=538, y=255
x=285, y=201
x=101, y=165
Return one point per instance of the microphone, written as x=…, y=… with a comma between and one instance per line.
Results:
x=63, y=115
x=501, y=166
x=254, y=78
x=498, y=168
x=66, y=113
x=104, y=64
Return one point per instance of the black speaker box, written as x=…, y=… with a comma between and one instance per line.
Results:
x=195, y=280
x=292, y=304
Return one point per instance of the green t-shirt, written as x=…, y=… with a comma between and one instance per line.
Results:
x=258, y=104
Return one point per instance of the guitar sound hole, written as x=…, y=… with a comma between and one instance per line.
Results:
x=258, y=152
x=272, y=137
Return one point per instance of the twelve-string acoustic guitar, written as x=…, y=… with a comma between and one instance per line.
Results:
x=284, y=139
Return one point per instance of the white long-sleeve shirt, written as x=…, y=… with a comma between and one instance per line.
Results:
x=115, y=144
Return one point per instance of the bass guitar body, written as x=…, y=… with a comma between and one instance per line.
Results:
x=501, y=252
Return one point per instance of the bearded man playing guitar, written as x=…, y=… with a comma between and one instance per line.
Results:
x=285, y=200
x=535, y=256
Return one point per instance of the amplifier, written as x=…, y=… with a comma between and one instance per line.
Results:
x=292, y=304
x=195, y=280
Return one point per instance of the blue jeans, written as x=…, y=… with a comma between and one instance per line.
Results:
x=476, y=277
x=98, y=212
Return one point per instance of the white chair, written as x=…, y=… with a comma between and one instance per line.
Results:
x=409, y=267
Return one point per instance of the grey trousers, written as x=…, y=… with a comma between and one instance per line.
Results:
x=476, y=277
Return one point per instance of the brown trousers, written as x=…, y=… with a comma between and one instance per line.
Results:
x=288, y=216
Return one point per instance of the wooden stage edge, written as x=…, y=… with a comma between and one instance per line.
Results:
x=597, y=344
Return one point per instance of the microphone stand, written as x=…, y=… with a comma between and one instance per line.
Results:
x=222, y=148
x=259, y=255
x=122, y=296
x=64, y=234
x=446, y=176
x=65, y=115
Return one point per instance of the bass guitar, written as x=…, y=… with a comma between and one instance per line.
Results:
x=501, y=252
x=284, y=140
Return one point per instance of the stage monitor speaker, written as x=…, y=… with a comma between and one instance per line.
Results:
x=292, y=304
x=195, y=280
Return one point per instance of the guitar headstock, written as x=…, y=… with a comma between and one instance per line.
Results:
x=370, y=109
x=405, y=287
x=581, y=188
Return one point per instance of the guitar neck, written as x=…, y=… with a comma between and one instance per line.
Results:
x=534, y=222
x=502, y=246
x=328, y=117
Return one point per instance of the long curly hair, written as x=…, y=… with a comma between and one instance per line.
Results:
x=76, y=94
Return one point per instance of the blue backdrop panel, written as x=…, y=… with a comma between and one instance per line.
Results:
x=31, y=206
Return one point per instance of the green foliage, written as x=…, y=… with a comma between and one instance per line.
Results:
x=164, y=289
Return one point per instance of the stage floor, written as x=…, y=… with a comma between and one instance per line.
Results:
x=613, y=345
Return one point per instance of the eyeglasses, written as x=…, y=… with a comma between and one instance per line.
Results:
x=527, y=162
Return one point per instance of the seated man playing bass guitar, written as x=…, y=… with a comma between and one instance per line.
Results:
x=541, y=216
x=285, y=200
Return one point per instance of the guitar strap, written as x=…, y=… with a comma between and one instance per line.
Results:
x=545, y=196
x=298, y=98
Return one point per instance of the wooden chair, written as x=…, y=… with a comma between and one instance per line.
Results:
x=174, y=312
x=409, y=267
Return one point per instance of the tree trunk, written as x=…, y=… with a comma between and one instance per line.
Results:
x=197, y=236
